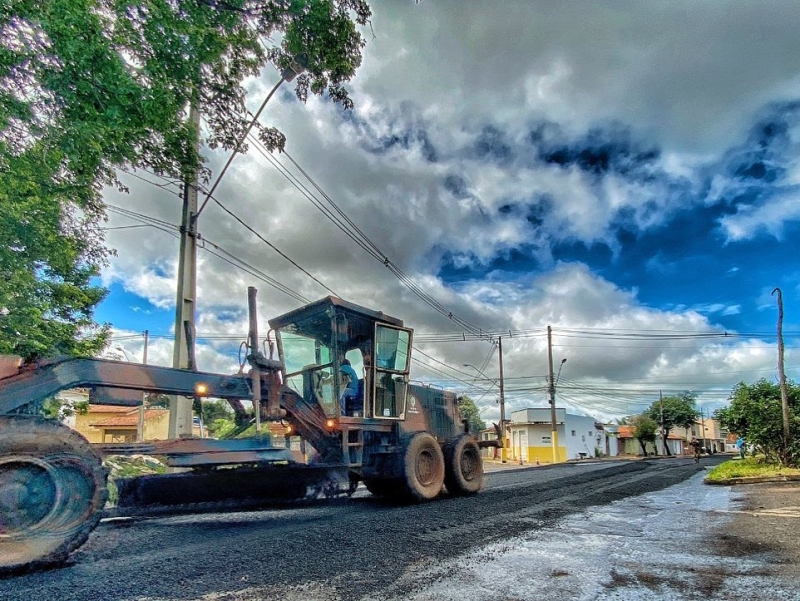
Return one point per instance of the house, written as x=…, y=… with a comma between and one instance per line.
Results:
x=114, y=423
x=579, y=436
x=628, y=445
x=111, y=423
x=709, y=432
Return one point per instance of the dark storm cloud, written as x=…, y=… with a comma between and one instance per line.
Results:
x=601, y=150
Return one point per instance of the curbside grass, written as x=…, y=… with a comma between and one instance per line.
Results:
x=750, y=470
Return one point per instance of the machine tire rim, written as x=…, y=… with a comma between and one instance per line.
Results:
x=14, y=498
x=469, y=463
x=426, y=467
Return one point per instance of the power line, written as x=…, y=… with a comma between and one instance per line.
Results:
x=335, y=214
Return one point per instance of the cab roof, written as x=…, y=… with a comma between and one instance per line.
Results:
x=330, y=302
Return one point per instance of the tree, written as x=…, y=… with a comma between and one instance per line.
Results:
x=644, y=430
x=755, y=414
x=470, y=412
x=91, y=87
x=218, y=417
x=674, y=411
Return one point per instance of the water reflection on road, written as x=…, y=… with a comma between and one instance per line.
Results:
x=658, y=545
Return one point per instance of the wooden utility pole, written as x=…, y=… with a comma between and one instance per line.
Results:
x=782, y=372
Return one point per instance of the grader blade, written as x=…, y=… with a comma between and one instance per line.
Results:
x=229, y=489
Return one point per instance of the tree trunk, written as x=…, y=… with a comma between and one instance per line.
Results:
x=664, y=442
x=644, y=447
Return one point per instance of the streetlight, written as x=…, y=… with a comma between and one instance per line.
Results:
x=563, y=361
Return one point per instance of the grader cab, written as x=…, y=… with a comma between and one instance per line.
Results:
x=338, y=389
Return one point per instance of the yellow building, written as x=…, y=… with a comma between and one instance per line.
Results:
x=109, y=423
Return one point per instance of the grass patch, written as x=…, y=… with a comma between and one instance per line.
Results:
x=750, y=467
x=121, y=466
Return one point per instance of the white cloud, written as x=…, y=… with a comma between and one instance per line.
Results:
x=769, y=217
x=686, y=77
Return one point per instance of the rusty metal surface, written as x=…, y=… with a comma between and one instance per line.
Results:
x=30, y=386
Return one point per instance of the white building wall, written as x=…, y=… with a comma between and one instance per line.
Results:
x=581, y=436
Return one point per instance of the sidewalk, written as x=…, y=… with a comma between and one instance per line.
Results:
x=495, y=465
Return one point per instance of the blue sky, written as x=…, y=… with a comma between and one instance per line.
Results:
x=615, y=170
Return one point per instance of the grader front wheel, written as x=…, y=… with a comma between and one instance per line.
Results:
x=52, y=486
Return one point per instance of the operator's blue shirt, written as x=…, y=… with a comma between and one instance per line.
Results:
x=351, y=373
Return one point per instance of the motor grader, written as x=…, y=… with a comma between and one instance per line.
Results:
x=403, y=441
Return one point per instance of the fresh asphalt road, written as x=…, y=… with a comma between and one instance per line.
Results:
x=361, y=548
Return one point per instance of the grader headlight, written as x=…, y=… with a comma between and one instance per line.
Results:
x=200, y=389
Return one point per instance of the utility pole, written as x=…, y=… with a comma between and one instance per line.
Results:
x=503, y=453
x=703, y=426
x=552, y=391
x=180, y=407
x=782, y=372
x=143, y=406
x=663, y=438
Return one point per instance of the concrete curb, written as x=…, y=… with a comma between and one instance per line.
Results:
x=752, y=480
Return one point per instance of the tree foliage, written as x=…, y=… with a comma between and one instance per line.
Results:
x=644, y=430
x=89, y=87
x=674, y=411
x=470, y=412
x=755, y=414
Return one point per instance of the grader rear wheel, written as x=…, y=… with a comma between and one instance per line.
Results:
x=52, y=486
x=423, y=467
x=464, y=466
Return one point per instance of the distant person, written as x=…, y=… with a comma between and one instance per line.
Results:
x=695, y=446
x=351, y=390
x=740, y=447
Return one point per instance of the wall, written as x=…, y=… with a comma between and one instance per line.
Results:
x=531, y=436
x=582, y=437
x=532, y=442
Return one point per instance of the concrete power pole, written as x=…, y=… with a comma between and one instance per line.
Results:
x=663, y=438
x=180, y=407
x=143, y=406
x=503, y=452
x=552, y=390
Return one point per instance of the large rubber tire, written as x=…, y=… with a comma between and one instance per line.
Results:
x=463, y=466
x=52, y=487
x=423, y=467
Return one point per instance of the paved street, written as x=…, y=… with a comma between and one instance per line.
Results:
x=366, y=549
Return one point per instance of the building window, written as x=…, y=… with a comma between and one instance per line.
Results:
x=573, y=432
